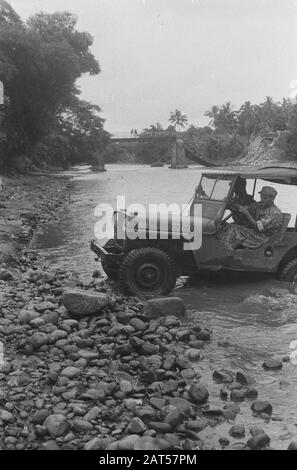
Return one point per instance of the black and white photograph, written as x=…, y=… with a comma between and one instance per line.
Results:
x=148, y=229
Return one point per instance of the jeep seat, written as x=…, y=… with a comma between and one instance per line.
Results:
x=275, y=239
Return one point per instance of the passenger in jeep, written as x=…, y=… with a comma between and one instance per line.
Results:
x=240, y=198
x=262, y=220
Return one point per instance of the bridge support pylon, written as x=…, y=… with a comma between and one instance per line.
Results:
x=178, y=155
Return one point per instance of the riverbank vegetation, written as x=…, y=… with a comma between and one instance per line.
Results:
x=43, y=121
x=268, y=129
x=253, y=132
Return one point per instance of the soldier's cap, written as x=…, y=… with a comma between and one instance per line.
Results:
x=269, y=191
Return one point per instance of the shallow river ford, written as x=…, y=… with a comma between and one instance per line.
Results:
x=247, y=332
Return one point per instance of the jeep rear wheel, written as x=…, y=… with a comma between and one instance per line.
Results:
x=147, y=271
x=289, y=271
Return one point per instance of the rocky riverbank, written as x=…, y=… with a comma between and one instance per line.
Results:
x=86, y=368
x=27, y=204
x=108, y=375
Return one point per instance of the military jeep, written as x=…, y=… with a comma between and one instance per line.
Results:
x=149, y=264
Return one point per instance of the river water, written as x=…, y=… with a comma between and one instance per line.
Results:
x=248, y=332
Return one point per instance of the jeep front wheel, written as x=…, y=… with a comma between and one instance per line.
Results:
x=289, y=271
x=147, y=271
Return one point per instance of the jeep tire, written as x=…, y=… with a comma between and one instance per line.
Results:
x=288, y=272
x=147, y=271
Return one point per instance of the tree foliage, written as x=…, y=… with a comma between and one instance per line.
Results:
x=233, y=130
x=177, y=118
x=40, y=61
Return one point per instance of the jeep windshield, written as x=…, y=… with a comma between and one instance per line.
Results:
x=215, y=189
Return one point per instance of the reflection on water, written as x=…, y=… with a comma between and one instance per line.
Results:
x=247, y=332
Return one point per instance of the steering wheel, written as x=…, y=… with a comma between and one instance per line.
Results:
x=226, y=218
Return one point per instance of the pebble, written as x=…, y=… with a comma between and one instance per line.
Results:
x=196, y=425
x=223, y=376
x=198, y=393
x=272, y=364
x=261, y=407
x=237, y=395
x=126, y=387
x=237, y=431
x=56, y=425
x=258, y=441
x=160, y=427
x=243, y=378
x=224, y=441
x=136, y=426
x=71, y=372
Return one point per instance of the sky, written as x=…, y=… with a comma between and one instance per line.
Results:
x=160, y=55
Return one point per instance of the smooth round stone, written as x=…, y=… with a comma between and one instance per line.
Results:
x=188, y=374
x=261, y=407
x=71, y=372
x=198, y=393
x=237, y=431
x=193, y=354
x=126, y=386
x=272, y=364
x=259, y=441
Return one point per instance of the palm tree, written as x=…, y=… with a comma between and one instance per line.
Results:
x=247, y=119
x=178, y=119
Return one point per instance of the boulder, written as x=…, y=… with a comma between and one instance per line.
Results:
x=193, y=354
x=25, y=316
x=40, y=416
x=198, y=394
x=136, y=426
x=160, y=427
x=71, y=372
x=237, y=395
x=163, y=307
x=37, y=340
x=6, y=416
x=196, y=425
x=203, y=335
x=260, y=406
x=272, y=364
x=82, y=303
x=6, y=275
x=126, y=386
x=174, y=418
x=254, y=430
x=243, y=378
x=81, y=425
x=259, y=441
x=56, y=425
x=138, y=324
x=223, y=375
x=157, y=403
x=237, y=431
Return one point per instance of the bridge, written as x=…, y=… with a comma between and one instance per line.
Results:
x=143, y=137
x=179, y=153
